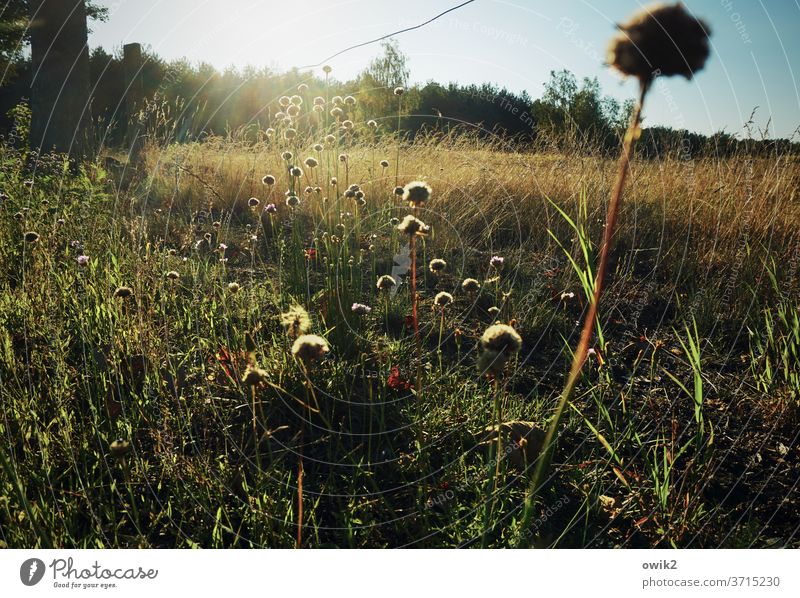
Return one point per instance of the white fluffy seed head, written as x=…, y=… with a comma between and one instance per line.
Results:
x=310, y=347
x=410, y=225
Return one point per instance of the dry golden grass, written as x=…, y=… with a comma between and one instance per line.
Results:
x=696, y=215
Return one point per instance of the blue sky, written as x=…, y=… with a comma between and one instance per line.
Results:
x=755, y=55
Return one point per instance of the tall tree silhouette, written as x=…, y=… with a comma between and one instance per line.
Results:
x=60, y=99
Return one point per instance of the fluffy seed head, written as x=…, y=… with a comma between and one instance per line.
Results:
x=296, y=171
x=296, y=100
x=119, y=449
x=292, y=201
x=337, y=112
x=437, y=265
x=416, y=193
x=253, y=202
x=384, y=163
x=319, y=101
x=296, y=321
x=410, y=225
x=172, y=275
x=254, y=376
x=398, y=91
x=470, y=285
x=442, y=299
x=268, y=180
x=123, y=292
x=386, y=282
x=287, y=155
x=372, y=124
x=293, y=111
x=326, y=69
x=284, y=101
x=233, y=287
x=350, y=101
x=498, y=344
x=501, y=338
x=663, y=39
x=31, y=237
x=289, y=134
x=311, y=162
x=310, y=347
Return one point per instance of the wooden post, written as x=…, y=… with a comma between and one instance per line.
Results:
x=60, y=98
x=134, y=93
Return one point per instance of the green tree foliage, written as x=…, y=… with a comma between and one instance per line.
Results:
x=15, y=32
x=190, y=101
x=376, y=85
x=581, y=113
x=490, y=109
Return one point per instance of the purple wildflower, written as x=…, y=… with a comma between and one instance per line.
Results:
x=361, y=309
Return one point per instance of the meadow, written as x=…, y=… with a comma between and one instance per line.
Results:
x=159, y=387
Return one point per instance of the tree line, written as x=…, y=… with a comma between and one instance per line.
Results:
x=186, y=101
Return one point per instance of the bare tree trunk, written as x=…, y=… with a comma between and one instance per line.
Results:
x=60, y=98
x=134, y=94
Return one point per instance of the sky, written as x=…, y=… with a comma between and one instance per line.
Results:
x=754, y=63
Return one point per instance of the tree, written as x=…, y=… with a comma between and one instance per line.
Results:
x=378, y=81
x=60, y=97
x=390, y=69
x=581, y=114
x=15, y=30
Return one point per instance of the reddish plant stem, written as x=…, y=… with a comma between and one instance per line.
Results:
x=300, y=495
x=414, y=318
x=582, y=350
